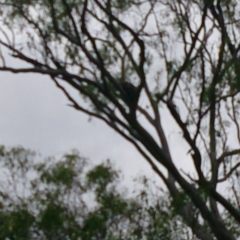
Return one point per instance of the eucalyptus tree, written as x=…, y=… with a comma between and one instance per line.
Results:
x=136, y=63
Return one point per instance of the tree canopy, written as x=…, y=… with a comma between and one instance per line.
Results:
x=136, y=62
x=68, y=198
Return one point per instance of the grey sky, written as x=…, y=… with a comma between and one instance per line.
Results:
x=34, y=114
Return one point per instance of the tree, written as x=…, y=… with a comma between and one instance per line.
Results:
x=70, y=199
x=135, y=61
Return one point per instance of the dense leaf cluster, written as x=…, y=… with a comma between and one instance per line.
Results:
x=68, y=199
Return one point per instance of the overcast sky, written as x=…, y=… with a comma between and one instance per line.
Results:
x=35, y=115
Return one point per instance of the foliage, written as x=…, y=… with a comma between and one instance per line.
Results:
x=181, y=59
x=93, y=205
